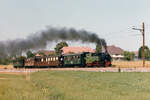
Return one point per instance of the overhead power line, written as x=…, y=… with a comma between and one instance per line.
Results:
x=143, y=34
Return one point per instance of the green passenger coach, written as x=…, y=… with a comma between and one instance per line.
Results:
x=71, y=60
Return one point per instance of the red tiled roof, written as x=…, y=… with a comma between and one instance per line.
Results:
x=67, y=50
x=113, y=50
x=46, y=52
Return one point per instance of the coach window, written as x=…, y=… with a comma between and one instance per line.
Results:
x=65, y=58
x=38, y=59
x=71, y=58
x=54, y=59
x=42, y=60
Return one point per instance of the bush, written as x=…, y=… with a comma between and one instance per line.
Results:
x=5, y=61
x=128, y=55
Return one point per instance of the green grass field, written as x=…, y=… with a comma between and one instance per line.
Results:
x=71, y=85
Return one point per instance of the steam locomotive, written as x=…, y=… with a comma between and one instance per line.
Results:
x=85, y=59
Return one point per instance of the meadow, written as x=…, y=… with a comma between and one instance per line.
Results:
x=75, y=85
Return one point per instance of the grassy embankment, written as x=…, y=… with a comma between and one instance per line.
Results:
x=70, y=85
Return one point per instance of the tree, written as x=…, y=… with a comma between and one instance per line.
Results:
x=59, y=46
x=5, y=61
x=147, y=52
x=128, y=55
x=29, y=54
x=98, y=48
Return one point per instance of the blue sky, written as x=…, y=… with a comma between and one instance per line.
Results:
x=109, y=19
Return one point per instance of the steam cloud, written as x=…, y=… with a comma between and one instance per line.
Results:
x=40, y=39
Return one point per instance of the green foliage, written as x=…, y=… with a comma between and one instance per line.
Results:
x=29, y=54
x=59, y=46
x=147, y=52
x=5, y=61
x=128, y=55
x=98, y=48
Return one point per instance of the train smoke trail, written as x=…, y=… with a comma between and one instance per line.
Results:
x=40, y=39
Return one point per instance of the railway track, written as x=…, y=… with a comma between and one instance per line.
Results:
x=76, y=69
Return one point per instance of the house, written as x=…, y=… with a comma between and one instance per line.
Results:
x=70, y=49
x=115, y=52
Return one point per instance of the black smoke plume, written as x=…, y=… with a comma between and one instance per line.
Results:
x=40, y=39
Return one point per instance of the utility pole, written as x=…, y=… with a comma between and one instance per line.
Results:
x=143, y=48
x=143, y=56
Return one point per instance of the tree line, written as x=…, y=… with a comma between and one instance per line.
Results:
x=131, y=55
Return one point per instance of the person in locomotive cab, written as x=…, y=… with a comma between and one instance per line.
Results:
x=61, y=60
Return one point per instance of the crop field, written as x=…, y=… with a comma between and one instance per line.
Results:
x=130, y=64
x=75, y=85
